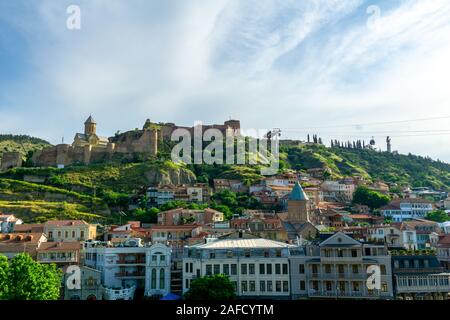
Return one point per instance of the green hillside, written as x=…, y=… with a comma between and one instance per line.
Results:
x=20, y=143
x=405, y=170
x=97, y=192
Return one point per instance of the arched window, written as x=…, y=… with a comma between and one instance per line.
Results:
x=162, y=281
x=153, y=278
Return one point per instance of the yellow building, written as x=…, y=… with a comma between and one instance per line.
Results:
x=70, y=230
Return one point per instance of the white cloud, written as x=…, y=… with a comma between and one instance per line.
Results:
x=288, y=64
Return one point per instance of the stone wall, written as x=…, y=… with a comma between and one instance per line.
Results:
x=11, y=160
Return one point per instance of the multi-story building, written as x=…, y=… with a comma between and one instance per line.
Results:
x=8, y=222
x=60, y=253
x=198, y=193
x=443, y=252
x=268, y=227
x=419, y=277
x=337, y=191
x=180, y=216
x=407, y=209
x=256, y=267
x=338, y=268
x=70, y=230
x=90, y=287
x=132, y=265
x=394, y=235
x=12, y=244
x=427, y=232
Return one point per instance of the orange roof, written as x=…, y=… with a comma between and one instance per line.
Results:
x=59, y=246
x=66, y=223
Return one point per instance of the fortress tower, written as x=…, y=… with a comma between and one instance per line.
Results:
x=298, y=211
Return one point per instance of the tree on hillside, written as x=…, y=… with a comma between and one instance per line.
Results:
x=217, y=287
x=25, y=279
x=370, y=198
x=438, y=216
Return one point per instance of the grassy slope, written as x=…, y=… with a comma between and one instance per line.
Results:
x=22, y=144
x=402, y=169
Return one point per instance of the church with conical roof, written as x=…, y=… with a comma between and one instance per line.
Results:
x=298, y=209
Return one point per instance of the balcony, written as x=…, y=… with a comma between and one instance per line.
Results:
x=346, y=276
x=130, y=274
x=58, y=260
x=341, y=294
x=131, y=261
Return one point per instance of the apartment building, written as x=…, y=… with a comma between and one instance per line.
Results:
x=338, y=268
x=337, y=190
x=60, y=253
x=70, y=230
x=198, y=193
x=407, y=209
x=12, y=244
x=258, y=268
x=132, y=265
x=419, y=277
x=181, y=216
x=394, y=235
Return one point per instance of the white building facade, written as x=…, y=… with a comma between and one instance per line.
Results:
x=256, y=267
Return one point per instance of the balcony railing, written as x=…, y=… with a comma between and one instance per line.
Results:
x=130, y=261
x=132, y=274
x=333, y=275
x=341, y=294
x=55, y=260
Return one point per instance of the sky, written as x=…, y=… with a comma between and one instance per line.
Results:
x=341, y=69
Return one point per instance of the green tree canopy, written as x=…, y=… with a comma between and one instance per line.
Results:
x=370, y=198
x=217, y=287
x=22, y=278
x=438, y=216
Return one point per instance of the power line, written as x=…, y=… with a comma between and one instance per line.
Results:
x=371, y=123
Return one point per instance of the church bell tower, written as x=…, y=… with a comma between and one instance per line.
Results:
x=90, y=126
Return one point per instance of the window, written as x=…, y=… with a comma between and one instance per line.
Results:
x=278, y=253
x=340, y=253
x=216, y=268
x=269, y=286
x=329, y=286
x=355, y=268
x=383, y=269
x=153, y=285
x=233, y=269
x=277, y=268
x=162, y=279
x=73, y=234
x=212, y=255
x=302, y=285
x=229, y=254
x=355, y=286
x=208, y=269
x=66, y=234
x=278, y=286
x=327, y=268
x=262, y=268
x=341, y=269
x=354, y=253
x=251, y=268
x=50, y=234
x=269, y=268
x=247, y=253
x=285, y=268
x=186, y=269
x=82, y=234
x=285, y=286
x=262, y=286
x=384, y=287
x=342, y=286
x=162, y=258
x=243, y=268
x=301, y=268
x=252, y=286
x=155, y=258
x=266, y=254
x=244, y=286
x=226, y=269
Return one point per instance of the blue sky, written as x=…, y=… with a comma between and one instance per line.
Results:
x=320, y=66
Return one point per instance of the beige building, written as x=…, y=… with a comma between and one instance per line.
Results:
x=70, y=230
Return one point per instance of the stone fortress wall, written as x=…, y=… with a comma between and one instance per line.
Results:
x=89, y=148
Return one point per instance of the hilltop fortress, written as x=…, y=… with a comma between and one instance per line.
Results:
x=88, y=147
